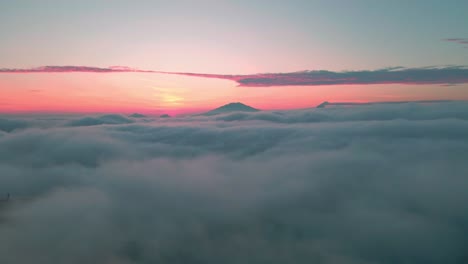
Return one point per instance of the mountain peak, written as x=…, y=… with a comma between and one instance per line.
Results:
x=231, y=107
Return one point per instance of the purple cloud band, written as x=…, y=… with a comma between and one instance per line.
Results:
x=398, y=75
x=445, y=75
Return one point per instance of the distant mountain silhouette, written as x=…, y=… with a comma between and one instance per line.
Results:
x=323, y=105
x=164, y=116
x=231, y=107
x=137, y=115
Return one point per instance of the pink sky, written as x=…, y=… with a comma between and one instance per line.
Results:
x=151, y=93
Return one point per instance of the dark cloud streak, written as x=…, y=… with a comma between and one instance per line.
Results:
x=462, y=41
x=397, y=75
x=444, y=75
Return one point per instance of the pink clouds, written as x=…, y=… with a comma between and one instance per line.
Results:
x=65, y=69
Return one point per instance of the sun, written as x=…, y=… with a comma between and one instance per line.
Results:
x=172, y=99
x=167, y=97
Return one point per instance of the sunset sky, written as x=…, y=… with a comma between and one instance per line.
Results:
x=356, y=42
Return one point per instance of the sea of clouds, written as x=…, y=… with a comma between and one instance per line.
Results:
x=361, y=184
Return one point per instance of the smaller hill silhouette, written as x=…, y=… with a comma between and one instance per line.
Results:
x=137, y=115
x=164, y=116
x=323, y=105
x=100, y=120
x=231, y=107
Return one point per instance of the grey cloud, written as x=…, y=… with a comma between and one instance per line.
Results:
x=362, y=184
x=362, y=112
x=396, y=75
x=8, y=125
x=462, y=41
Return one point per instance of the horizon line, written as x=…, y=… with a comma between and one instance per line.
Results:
x=321, y=105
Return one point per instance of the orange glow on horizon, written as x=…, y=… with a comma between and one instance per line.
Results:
x=174, y=95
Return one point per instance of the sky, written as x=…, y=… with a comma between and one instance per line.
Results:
x=223, y=38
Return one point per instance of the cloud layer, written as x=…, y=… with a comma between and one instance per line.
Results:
x=361, y=184
x=397, y=75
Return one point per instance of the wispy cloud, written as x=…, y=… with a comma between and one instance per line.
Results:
x=461, y=41
x=457, y=40
x=52, y=69
x=447, y=75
